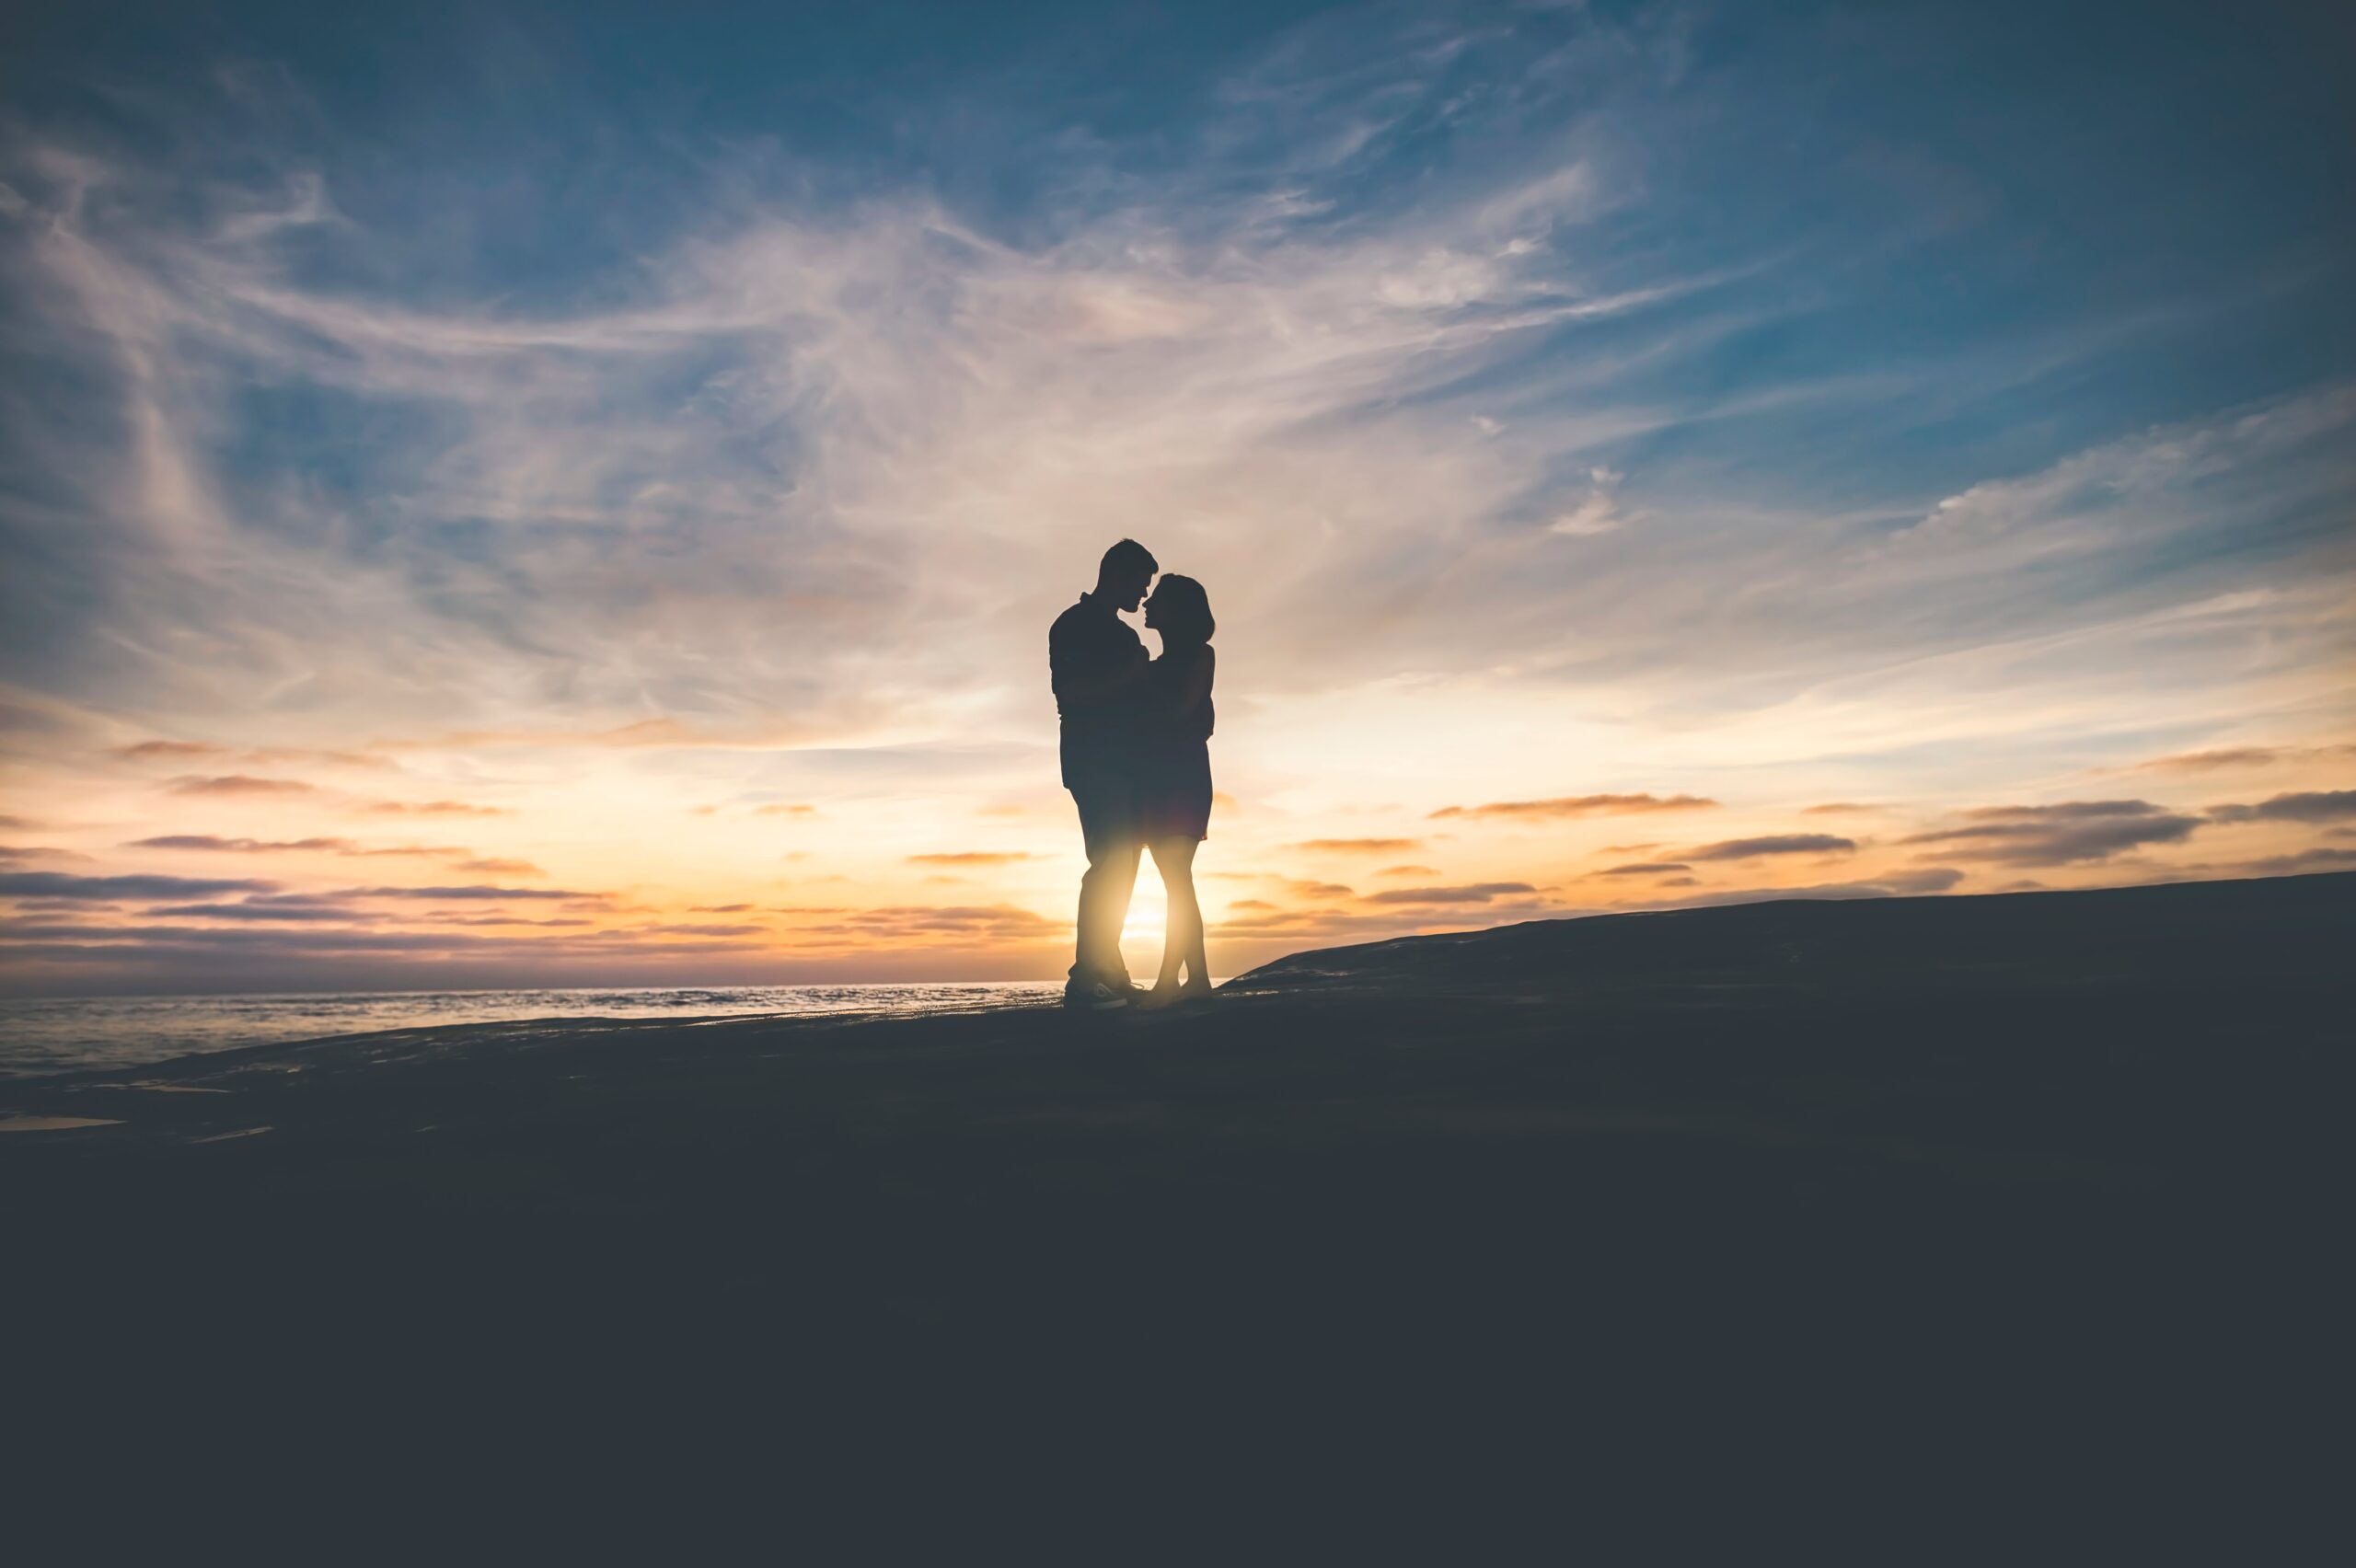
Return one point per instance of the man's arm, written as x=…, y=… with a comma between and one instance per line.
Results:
x=1087, y=682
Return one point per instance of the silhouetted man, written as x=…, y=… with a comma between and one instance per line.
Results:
x=1096, y=664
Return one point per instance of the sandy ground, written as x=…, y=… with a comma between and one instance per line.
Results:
x=1925, y=1219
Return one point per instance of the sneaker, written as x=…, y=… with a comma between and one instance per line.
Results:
x=1095, y=995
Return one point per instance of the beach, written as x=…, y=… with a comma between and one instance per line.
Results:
x=1899, y=1166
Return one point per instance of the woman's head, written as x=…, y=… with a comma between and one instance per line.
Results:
x=1180, y=611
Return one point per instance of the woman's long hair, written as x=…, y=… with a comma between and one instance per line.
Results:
x=1182, y=612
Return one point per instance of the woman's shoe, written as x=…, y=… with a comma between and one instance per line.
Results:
x=1156, y=1000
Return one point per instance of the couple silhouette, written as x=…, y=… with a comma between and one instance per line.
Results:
x=1138, y=762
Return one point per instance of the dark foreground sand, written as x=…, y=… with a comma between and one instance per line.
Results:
x=1928, y=1226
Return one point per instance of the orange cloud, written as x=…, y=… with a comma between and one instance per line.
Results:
x=1774, y=844
x=2312, y=806
x=213, y=844
x=657, y=732
x=13, y=852
x=478, y=891
x=209, y=843
x=335, y=758
x=2072, y=832
x=433, y=808
x=1581, y=805
x=1468, y=893
x=1302, y=888
x=2239, y=756
x=969, y=923
x=441, y=917
x=972, y=858
x=236, y=784
x=2305, y=862
x=1358, y=846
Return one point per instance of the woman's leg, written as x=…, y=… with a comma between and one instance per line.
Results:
x=1198, y=969
x=1183, y=927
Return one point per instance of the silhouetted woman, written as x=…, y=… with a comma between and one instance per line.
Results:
x=1174, y=775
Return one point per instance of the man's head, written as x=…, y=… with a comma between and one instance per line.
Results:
x=1124, y=574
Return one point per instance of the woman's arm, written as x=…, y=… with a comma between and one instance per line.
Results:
x=1175, y=699
x=1197, y=688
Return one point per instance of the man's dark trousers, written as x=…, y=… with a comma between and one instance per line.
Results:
x=1108, y=823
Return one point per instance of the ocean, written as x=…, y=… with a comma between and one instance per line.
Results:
x=63, y=1035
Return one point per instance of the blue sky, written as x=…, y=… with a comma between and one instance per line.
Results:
x=615, y=424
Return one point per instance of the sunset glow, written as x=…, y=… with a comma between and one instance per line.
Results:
x=439, y=555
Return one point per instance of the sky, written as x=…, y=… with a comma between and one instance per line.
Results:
x=576, y=495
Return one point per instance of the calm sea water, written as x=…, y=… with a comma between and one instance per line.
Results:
x=61, y=1034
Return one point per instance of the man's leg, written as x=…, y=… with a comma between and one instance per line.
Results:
x=1107, y=826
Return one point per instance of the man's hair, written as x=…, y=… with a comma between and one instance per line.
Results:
x=1127, y=558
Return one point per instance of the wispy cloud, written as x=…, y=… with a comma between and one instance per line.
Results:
x=1773, y=844
x=23, y=852
x=459, y=858
x=1582, y=806
x=1892, y=884
x=961, y=922
x=274, y=912
x=173, y=751
x=1467, y=893
x=973, y=858
x=187, y=751
x=212, y=844
x=2063, y=835
x=2216, y=759
x=58, y=884
x=471, y=892
x=2226, y=758
x=236, y=784
x=2311, y=805
x=2305, y=862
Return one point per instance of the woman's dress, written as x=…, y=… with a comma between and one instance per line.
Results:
x=1174, y=783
